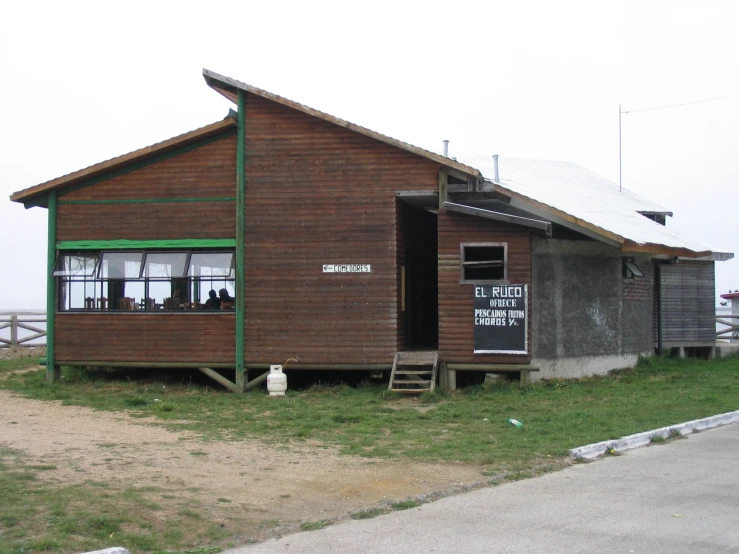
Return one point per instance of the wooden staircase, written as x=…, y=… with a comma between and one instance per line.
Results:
x=414, y=372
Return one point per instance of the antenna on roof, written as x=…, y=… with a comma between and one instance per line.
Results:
x=620, y=111
x=446, y=148
x=495, y=164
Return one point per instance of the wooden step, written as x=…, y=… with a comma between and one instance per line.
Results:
x=420, y=357
x=414, y=380
x=413, y=371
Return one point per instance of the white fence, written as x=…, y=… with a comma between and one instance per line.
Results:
x=22, y=329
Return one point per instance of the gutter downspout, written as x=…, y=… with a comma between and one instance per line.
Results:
x=241, y=375
x=52, y=370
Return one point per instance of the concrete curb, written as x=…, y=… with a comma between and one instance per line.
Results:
x=111, y=550
x=594, y=450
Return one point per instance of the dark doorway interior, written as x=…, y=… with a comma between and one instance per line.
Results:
x=419, y=246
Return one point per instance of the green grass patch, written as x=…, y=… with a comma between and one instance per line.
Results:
x=368, y=514
x=405, y=505
x=470, y=425
x=315, y=525
x=37, y=515
x=466, y=426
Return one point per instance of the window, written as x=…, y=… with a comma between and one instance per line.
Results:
x=143, y=281
x=483, y=262
x=629, y=269
x=80, y=265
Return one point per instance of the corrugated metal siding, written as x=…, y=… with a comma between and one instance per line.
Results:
x=456, y=302
x=208, y=171
x=688, y=303
x=164, y=338
x=319, y=194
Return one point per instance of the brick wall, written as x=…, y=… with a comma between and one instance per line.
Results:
x=639, y=289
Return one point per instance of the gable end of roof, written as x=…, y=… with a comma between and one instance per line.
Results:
x=229, y=88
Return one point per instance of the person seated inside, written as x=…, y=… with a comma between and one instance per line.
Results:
x=227, y=301
x=213, y=302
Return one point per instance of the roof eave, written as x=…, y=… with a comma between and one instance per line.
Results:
x=664, y=250
x=36, y=195
x=229, y=88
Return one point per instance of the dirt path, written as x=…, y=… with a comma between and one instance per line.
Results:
x=284, y=486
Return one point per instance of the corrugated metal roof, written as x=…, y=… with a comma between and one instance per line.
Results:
x=587, y=198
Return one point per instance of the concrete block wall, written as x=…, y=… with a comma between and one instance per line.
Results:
x=587, y=318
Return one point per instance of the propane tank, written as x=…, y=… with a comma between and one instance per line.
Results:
x=276, y=381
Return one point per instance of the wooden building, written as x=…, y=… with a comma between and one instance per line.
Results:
x=347, y=249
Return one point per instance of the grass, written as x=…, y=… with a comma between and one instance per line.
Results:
x=468, y=426
x=315, y=525
x=40, y=515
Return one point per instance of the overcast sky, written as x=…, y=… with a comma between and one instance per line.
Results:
x=86, y=81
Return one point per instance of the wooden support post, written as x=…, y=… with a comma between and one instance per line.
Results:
x=218, y=378
x=14, y=330
x=443, y=376
x=451, y=379
x=53, y=373
x=443, y=187
x=52, y=370
x=256, y=382
x=241, y=376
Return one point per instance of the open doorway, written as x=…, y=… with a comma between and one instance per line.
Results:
x=417, y=253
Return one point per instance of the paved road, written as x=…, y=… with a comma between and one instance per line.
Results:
x=681, y=497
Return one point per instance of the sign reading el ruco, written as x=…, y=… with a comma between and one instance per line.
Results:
x=347, y=268
x=501, y=312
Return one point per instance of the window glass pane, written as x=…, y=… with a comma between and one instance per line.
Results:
x=484, y=263
x=158, y=291
x=121, y=265
x=210, y=264
x=72, y=296
x=79, y=265
x=483, y=253
x=165, y=265
x=203, y=288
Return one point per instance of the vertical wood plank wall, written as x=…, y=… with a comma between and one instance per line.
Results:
x=205, y=172
x=688, y=303
x=317, y=194
x=456, y=302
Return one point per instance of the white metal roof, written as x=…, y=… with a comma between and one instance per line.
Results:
x=585, y=196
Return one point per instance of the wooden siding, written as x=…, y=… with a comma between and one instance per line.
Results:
x=688, y=303
x=161, y=338
x=316, y=194
x=456, y=302
x=208, y=171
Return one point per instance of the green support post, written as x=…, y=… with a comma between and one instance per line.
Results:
x=241, y=375
x=52, y=369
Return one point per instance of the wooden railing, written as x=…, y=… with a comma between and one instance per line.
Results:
x=731, y=331
x=18, y=322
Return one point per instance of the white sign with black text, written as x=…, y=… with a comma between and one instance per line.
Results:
x=347, y=268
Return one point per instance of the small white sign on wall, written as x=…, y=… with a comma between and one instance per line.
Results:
x=347, y=268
